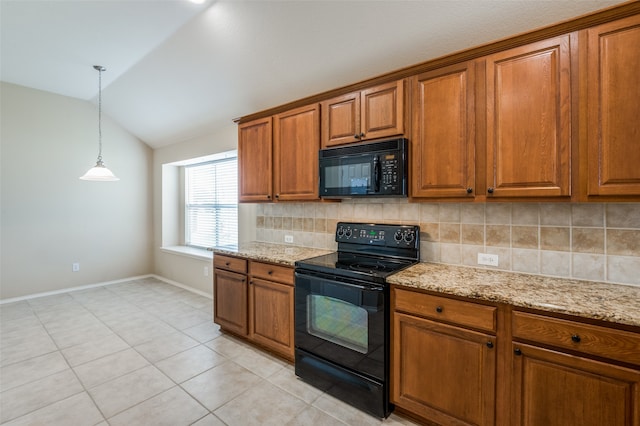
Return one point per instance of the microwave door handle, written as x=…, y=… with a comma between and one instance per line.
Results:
x=376, y=174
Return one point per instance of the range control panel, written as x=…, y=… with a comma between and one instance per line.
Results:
x=404, y=236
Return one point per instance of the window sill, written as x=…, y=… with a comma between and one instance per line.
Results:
x=195, y=253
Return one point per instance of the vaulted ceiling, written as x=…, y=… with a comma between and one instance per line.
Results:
x=177, y=70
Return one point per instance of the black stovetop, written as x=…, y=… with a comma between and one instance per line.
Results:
x=368, y=252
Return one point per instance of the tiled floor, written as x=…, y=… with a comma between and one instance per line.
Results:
x=146, y=353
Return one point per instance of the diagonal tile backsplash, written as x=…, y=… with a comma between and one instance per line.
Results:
x=597, y=242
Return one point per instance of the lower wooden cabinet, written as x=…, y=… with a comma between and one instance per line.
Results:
x=510, y=365
x=443, y=373
x=551, y=388
x=271, y=315
x=255, y=302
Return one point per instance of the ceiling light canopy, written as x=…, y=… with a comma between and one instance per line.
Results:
x=99, y=172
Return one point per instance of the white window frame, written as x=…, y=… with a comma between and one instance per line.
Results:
x=226, y=233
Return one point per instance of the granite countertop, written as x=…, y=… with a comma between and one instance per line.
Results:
x=273, y=253
x=608, y=302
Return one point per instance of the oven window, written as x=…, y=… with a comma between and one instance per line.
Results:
x=339, y=322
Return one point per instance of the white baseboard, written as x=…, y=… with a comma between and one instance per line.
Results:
x=102, y=284
x=183, y=286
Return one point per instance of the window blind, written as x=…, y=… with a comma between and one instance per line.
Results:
x=211, y=203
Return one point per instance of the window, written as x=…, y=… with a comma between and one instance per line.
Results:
x=211, y=203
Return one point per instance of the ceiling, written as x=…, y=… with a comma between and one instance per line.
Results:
x=178, y=70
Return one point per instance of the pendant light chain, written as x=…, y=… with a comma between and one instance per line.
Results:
x=100, y=69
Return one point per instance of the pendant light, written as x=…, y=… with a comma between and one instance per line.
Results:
x=99, y=172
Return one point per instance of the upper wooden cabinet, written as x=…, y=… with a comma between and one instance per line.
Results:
x=529, y=120
x=295, y=154
x=254, y=160
x=613, y=108
x=443, y=132
x=278, y=156
x=368, y=114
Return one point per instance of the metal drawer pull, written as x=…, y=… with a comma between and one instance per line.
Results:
x=517, y=351
x=576, y=338
x=439, y=309
x=490, y=344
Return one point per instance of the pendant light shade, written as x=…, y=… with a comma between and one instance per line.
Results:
x=99, y=172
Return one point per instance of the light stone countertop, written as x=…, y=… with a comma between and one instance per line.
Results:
x=273, y=253
x=609, y=302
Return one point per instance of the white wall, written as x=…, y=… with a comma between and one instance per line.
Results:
x=50, y=218
x=183, y=269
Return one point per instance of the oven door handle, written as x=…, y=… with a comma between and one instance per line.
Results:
x=333, y=280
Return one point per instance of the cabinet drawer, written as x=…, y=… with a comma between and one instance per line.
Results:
x=271, y=272
x=442, y=308
x=230, y=263
x=591, y=339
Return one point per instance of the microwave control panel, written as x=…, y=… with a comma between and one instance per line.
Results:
x=390, y=166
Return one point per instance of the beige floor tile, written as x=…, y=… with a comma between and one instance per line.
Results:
x=187, y=320
x=220, y=384
x=229, y=346
x=261, y=363
x=315, y=417
x=22, y=323
x=190, y=363
x=344, y=412
x=287, y=380
x=173, y=407
x=128, y=390
x=204, y=332
x=165, y=346
x=81, y=335
x=77, y=410
x=24, y=399
x=265, y=404
x=140, y=333
x=26, y=348
x=209, y=420
x=92, y=350
x=109, y=367
x=20, y=373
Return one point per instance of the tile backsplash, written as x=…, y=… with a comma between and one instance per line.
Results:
x=597, y=242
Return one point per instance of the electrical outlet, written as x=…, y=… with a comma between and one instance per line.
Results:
x=487, y=259
x=75, y=267
x=206, y=271
x=288, y=238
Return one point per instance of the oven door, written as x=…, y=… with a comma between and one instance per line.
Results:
x=343, y=321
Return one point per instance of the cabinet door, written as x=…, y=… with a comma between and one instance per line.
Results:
x=382, y=111
x=271, y=315
x=295, y=154
x=341, y=120
x=443, y=143
x=443, y=373
x=556, y=389
x=613, y=123
x=254, y=160
x=230, y=301
x=529, y=120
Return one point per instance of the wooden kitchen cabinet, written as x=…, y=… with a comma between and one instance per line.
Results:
x=528, y=121
x=230, y=294
x=367, y=114
x=443, y=142
x=271, y=304
x=295, y=154
x=444, y=373
x=254, y=300
x=567, y=373
x=255, y=172
x=613, y=110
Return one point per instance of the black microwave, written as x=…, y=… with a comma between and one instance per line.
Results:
x=371, y=169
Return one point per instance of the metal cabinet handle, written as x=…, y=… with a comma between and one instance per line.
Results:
x=270, y=272
x=439, y=309
x=469, y=190
x=361, y=135
x=357, y=136
x=575, y=338
x=490, y=190
x=490, y=344
x=517, y=351
x=277, y=195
